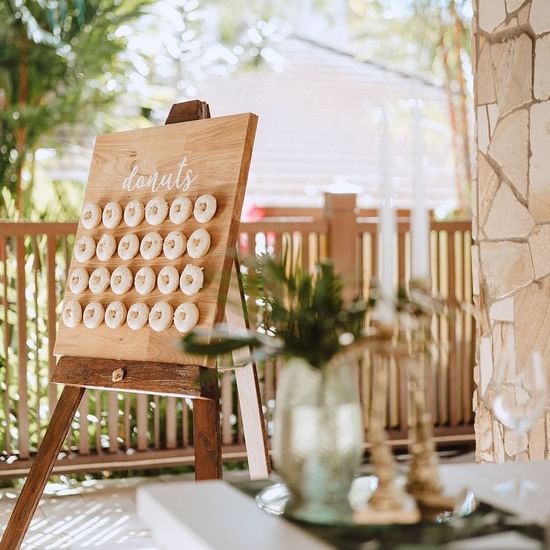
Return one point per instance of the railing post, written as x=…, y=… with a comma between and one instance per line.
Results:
x=340, y=213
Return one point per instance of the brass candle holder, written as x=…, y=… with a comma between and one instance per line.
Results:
x=408, y=342
x=389, y=502
x=423, y=480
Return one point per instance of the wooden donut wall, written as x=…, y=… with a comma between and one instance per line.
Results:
x=217, y=153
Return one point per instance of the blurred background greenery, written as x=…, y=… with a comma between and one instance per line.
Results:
x=71, y=69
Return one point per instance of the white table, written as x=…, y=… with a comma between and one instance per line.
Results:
x=213, y=515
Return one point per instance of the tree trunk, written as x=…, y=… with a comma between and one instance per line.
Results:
x=452, y=118
x=21, y=132
x=463, y=105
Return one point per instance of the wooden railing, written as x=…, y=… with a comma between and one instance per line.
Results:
x=119, y=431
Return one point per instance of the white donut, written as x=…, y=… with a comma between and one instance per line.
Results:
x=144, y=280
x=156, y=211
x=84, y=248
x=115, y=314
x=138, y=315
x=133, y=213
x=99, y=280
x=128, y=246
x=168, y=279
x=198, y=243
x=174, y=245
x=121, y=280
x=160, y=316
x=105, y=247
x=78, y=281
x=180, y=209
x=186, y=317
x=91, y=215
x=191, y=280
x=151, y=246
x=72, y=313
x=94, y=313
x=112, y=214
x=205, y=208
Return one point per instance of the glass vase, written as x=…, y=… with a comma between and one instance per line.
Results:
x=318, y=439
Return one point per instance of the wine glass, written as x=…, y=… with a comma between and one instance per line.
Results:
x=518, y=400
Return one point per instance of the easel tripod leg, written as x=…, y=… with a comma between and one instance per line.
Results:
x=248, y=389
x=207, y=429
x=41, y=468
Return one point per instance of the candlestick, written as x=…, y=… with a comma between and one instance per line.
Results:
x=420, y=223
x=386, y=229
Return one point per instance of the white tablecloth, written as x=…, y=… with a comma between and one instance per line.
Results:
x=213, y=515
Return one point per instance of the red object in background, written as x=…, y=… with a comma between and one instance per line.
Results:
x=252, y=212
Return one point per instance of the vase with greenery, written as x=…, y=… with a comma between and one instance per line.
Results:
x=318, y=431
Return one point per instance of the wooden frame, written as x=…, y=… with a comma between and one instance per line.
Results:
x=177, y=160
x=192, y=381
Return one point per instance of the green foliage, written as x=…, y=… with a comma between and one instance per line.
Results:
x=410, y=32
x=301, y=314
x=56, y=59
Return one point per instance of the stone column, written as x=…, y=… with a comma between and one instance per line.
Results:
x=511, y=226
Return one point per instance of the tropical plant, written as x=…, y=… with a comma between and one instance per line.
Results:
x=301, y=314
x=60, y=62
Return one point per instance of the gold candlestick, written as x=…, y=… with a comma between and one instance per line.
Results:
x=423, y=479
x=389, y=502
x=388, y=496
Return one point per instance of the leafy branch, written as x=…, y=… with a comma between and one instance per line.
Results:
x=300, y=314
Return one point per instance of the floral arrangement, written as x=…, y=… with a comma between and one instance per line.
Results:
x=299, y=314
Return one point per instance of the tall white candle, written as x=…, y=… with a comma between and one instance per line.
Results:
x=420, y=223
x=386, y=227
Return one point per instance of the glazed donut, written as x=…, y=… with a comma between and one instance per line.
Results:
x=78, y=281
x=168, y=279
x=112, y=214
x=144, y=280
x=174, y=245
x=138, y=314
x=133, y=213
x=151, y=246
x=186, y=317
x=94, y=313
x=156, y=211
x=128, y=246
x=84, y=248
x=205, y=208
x=180, y=209
x=105, y=247
x=72, y=313
x=99, y=280
x=191, y=280
x=115, y=314
x=121, y=280
x=198, y=243
x=160, y=316
x=91, y=215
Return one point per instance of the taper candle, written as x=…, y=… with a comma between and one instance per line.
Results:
x=420, y=223
x=386, y=227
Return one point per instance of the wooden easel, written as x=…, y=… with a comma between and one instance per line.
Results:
x=189, y=381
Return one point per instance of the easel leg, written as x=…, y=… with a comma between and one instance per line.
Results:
x=207, y=429
x=41, y=468
x=253, y=421
x=248, y=388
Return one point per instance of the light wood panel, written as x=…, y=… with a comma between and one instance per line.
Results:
x=218, y=153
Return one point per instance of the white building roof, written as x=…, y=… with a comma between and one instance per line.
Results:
x=319, y=127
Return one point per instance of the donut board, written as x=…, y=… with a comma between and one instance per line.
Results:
x=205, y=162
x=204, y=157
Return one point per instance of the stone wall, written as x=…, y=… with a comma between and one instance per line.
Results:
x=511, y=256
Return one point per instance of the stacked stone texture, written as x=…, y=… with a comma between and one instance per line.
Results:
x=511, y=203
